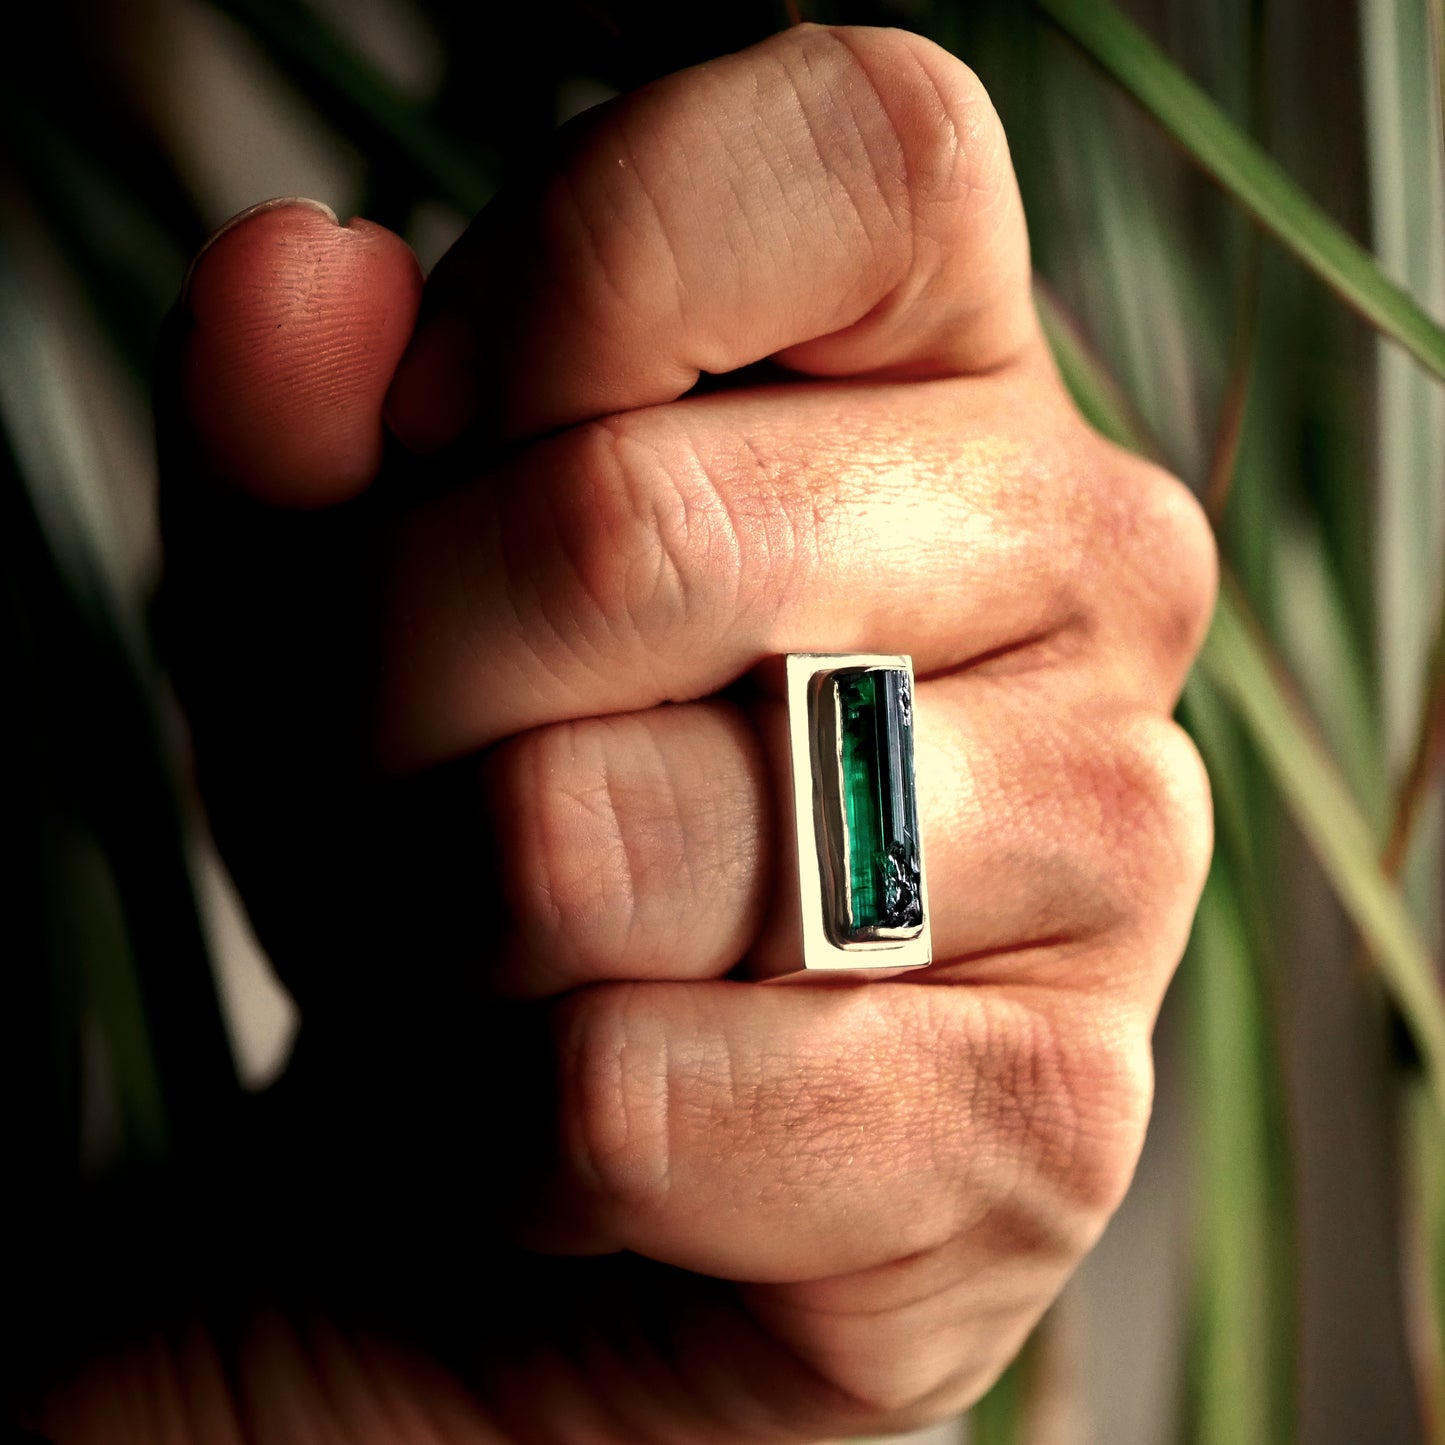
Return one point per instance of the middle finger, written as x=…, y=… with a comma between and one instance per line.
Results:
x=658, y=556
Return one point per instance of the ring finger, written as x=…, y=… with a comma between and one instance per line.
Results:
x=643, y=846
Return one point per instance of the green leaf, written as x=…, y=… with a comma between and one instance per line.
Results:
x=1312, y=632
x=108, y=735
x=1102, y=401
x=1237, y=660
x=1437, y=44
x=362, y=102
x=1243, y=1333
x=1423, y=1226
x=1136, y=284
x=1245, y=1329
x=1407, y=221
x=1097, y=395
x=1261, y=186
x=1001, y=1417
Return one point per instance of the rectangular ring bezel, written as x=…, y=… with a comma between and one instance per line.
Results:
x=813, y=771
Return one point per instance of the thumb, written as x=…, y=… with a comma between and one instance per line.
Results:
x=289, y=329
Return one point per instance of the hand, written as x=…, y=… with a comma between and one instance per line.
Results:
x=491, y=724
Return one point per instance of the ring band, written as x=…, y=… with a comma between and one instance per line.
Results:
x=862, y=892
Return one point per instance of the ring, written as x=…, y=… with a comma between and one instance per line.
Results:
x=862, y=893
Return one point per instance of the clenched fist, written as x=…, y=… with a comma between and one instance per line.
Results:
x=473, y=588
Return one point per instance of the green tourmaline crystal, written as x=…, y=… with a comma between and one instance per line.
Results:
x=874, y=709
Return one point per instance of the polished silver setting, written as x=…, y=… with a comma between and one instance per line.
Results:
x=820, y=826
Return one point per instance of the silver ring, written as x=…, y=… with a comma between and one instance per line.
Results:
x=862, y=890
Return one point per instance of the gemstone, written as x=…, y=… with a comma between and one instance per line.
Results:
x=875, y=852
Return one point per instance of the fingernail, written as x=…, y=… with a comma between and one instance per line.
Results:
x=433, y=400
x=274, y=204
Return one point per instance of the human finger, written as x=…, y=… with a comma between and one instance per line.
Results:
x=841, y=198
x=643, y=846
x=634, y=846
x=657, y=556
x=286, y=338
x=269, y=388
x=776, y=1134
x=923, y=1337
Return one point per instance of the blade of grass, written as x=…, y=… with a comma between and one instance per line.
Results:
x=1311, y=628
x=1407, y=218
x=111, y=233
x=1246, y=1334
x=1104, y=405
x=329, y=72
x=1245, y=1331
x=108, y=725
x=113, y=985
x=1423, y=1224
x=1425, y=763
x=1241, y=1369
x=1095, y=392
x=1230, y=429
x=1399, y=65
x=1002, y=1417
x=1423, y=1272
x=1243, y=1339
x=1437, y=39
x=1136, y=283
x=81, y=948
x=1236, y=659
x=1256, y=181
x=996, y=1419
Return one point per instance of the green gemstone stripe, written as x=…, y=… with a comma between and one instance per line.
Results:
x=862, y=781
x=879, y=807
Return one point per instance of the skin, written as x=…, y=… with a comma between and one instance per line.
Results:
x=486, y=727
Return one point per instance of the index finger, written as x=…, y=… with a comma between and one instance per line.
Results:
x=839, y=199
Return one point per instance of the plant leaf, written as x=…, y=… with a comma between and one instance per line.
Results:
x=1243, y=1300
x=1407, y=220
x=1236, y=659
x=1255, y=180
x=1104, y=405
x=360, y=100
x=157, y=997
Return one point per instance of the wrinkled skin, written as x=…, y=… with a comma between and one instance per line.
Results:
x=471, y=589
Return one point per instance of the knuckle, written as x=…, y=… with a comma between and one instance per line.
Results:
x=1137, y=796
x=1067, y=1098
x=1154, y=803
x=946, y=141
x=567, y=876
x=1103, y=1077
x=1160, y=532
x=615, y=850
x=646, y=537
x=605, y=269
x=614, y=1098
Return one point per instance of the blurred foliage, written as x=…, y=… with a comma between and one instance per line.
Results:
x=1249, y=300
